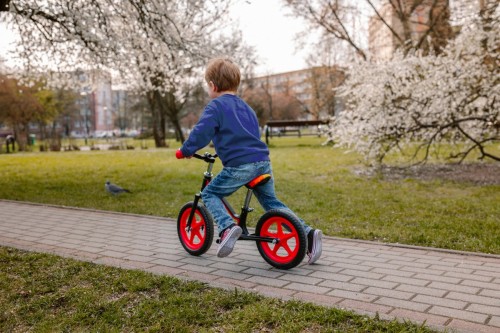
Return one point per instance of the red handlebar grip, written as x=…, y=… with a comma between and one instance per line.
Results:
x=179, y=154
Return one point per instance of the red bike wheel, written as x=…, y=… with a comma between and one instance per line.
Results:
x=197, y=238
x=290, y=248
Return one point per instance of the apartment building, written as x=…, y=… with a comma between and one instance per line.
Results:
x=313, y=88
x=410, y=23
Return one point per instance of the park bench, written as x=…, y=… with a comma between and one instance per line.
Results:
x=290, y=127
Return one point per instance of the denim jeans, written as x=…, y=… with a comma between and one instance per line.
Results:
x=229, y=180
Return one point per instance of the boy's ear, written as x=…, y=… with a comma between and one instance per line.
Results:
x=213, y=86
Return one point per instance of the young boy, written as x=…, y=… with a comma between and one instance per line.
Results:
x=232, y=126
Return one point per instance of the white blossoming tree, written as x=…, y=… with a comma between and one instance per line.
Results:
x=158, y=47
x=416, y=103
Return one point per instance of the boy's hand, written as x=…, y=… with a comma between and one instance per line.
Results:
x=179, y=154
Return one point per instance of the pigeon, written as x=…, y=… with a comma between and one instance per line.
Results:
x=114, y=189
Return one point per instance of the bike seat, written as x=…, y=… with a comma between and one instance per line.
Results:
x=259, y=180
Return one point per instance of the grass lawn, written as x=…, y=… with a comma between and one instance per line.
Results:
x=317, y=182
x=45, y=293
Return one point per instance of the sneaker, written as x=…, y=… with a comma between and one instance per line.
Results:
x=314, y=245
x=229, y=237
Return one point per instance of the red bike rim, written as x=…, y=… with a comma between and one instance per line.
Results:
x=195, y=237
x=288, y=245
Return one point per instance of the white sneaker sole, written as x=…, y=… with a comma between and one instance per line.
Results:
x=317, y=247
x=227, y=245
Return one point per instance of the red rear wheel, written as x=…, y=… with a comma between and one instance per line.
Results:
x=197, y=238
x=290, y=248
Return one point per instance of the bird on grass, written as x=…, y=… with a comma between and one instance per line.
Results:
x=114, y=189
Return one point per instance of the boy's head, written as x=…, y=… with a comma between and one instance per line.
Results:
x=223, y=73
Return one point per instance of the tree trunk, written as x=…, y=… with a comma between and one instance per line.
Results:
x=178, y=129
x=159, y=122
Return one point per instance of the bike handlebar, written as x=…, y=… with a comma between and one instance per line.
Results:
x=207, y=157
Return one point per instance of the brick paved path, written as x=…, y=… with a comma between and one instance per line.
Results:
x=458, y=291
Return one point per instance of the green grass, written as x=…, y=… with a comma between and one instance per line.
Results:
x=45, y=293
x=317, y=182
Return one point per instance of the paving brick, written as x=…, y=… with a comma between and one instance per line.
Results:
x=227, y=266
x=199, y=276
x=419, y=317
x=164, y=270
x=459, y=314
x=482, y=285
x=141, y=252
x=197, y=268
x=307, y=288
x=351, y=266
x=274, y=291
x=351, y=304
x=465, y=326
x=474, y=298
x=487, y=309
x=421, y=290
x=332, y=276
x=303, y=279
x=108, y=261
x=375, y=283
x=437, y=277
x=440, y=301
x=358, y=273
x=469, y=276
x=453, y=287
x=393, y=258
x=131, y=264
x=263, y=272
x=232, y=275
x=369, y=259
x=261, y=280
x=389, y=293
x=403, y=304
x=482, y=269
x=197, y=261
x=317, y=298
x=352, y=295
x=166, y=262
x=392, y=272
x=380, y=265
x=495, y=321
x=490, y=293
x=489, y=273
x=139, y=258
x=113, y=254
x=405, y=280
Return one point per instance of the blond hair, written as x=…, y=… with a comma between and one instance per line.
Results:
x=224, y=74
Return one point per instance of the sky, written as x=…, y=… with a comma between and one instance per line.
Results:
x=264, y=25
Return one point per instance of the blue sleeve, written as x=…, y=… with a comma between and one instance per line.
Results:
x=203, y=131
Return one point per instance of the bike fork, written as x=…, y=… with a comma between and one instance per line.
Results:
x=193, y=210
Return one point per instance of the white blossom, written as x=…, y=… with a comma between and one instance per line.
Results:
x=416, y=102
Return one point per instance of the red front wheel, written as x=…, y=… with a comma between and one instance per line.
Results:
x=197, y=238
x=290, y=247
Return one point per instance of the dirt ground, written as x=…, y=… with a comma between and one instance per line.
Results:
x=475, y=173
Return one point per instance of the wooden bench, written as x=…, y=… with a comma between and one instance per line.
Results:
x=290, y=126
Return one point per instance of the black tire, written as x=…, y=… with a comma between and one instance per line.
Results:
x=292, y=245
x=198, y=239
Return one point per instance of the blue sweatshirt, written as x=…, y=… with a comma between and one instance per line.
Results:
x=232, y=126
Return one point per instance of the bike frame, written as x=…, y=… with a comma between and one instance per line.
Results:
x=240, y=219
